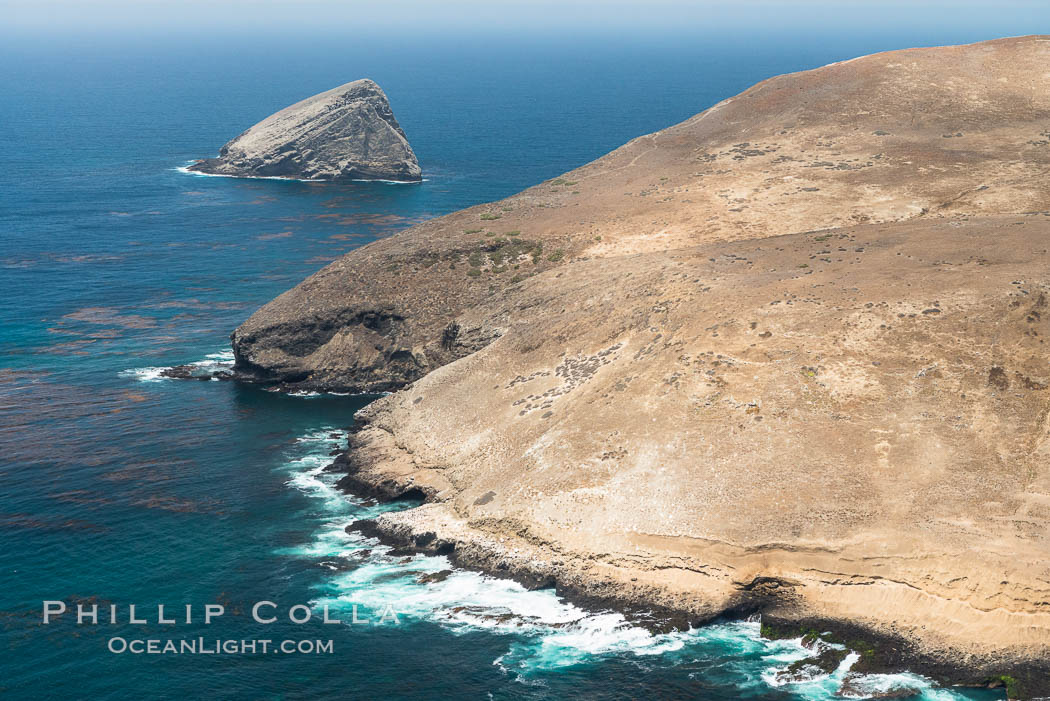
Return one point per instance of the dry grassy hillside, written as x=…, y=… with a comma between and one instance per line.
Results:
x=788, y=355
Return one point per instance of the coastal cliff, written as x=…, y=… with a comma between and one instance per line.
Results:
x=786, y=357
x=347, y=132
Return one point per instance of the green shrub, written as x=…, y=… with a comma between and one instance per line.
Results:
x=1013, y=687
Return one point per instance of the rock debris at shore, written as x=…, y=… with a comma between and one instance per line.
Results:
x=787, y=357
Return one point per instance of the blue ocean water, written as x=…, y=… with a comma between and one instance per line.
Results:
x=119, y=487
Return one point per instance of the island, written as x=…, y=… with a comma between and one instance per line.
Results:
x=787, y=358
x=347, y=132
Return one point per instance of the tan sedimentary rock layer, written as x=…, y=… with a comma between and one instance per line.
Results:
x=861, y=414
x=788, y=354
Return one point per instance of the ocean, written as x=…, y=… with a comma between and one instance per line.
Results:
x=121, y=487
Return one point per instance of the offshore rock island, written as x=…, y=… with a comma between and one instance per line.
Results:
x=347, y=132
x=787, y=357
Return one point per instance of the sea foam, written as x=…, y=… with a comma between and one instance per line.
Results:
x=149, y=374
x=212, y=363
x=185, y=169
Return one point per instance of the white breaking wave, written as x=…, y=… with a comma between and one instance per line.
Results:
x=211, y=363
x=872, y=684
x=388, y=182
x=820, y=686
x=186, y=170
x=223, y=360
x=150, y=374
x=312, y=394
x=829, y=687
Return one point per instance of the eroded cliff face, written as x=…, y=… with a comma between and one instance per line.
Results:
x=859, y=415
x=786, y=356
x=924, y=133
x=346, y=132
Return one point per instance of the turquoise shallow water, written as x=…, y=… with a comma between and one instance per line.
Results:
x=120, y=487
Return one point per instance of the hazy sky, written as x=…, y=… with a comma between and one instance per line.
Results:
x=413, y=17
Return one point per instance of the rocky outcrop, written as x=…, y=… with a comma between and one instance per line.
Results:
x=866, y=428
x=347, y=132
x=920, y=134
x=785, y=357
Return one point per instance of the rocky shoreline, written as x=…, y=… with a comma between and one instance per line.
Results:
x=878, y=652
x=786, y=357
